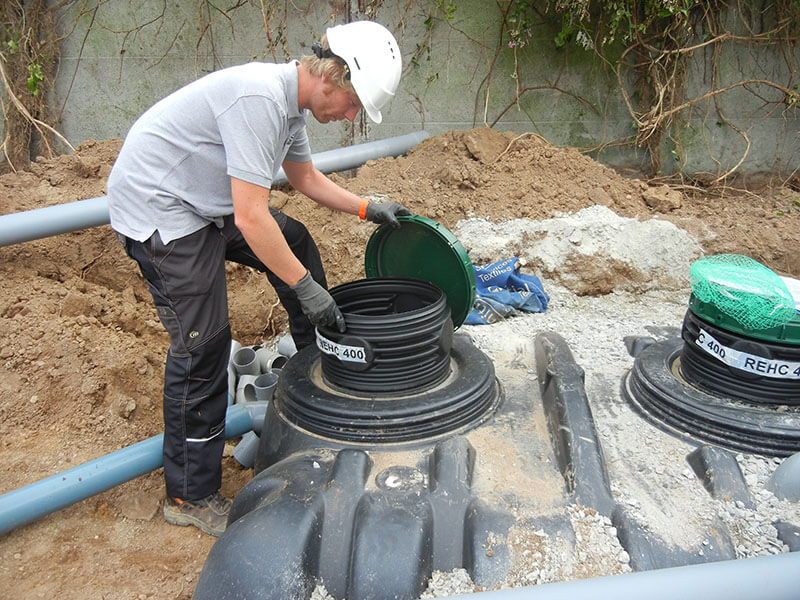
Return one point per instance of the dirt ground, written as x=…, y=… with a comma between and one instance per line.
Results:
x=82, y=353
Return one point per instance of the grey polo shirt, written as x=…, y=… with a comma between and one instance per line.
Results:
x=173, y=172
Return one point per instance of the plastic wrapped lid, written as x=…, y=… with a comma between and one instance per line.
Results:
x=424, y=249
x=743, y=289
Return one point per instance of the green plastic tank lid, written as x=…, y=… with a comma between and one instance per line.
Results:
x=785, y=334
x=424, y=249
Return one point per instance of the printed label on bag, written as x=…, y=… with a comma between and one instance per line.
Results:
x=342, y=352
x=768, y=367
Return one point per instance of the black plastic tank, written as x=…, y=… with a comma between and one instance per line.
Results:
x=363, y=475
x=320, y=508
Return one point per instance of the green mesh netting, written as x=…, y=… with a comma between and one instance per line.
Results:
x=744, y=289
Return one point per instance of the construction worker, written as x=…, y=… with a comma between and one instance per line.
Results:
x=190, y=189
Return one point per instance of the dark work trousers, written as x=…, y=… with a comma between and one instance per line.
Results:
x=187, y=281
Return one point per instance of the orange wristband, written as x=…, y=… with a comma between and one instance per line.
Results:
x=362, y=211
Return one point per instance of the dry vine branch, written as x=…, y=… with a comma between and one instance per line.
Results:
x=78, y=61
x=28, y=58
x=515, y=140
x=209, y=24
x=266, y=15
x=40, y=125
x=270, y=326
x=504, y=14
x=522, y=91
x=648, y=123
x=134, y=31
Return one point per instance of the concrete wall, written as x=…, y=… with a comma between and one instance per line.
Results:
x=118, y=58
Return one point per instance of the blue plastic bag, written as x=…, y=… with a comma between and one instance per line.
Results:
x=500, y=289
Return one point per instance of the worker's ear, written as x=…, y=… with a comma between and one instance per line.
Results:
x=327, y=86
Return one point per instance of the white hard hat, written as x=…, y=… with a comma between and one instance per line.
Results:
x=373, y=57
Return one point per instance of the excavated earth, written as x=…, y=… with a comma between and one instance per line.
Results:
x=82, y=354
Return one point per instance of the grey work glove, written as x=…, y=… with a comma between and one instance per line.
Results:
x=317, y=304
x=386, y=212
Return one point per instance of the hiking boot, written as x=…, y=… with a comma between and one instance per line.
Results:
x=209, y=515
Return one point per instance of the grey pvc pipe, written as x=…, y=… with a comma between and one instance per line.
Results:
x=48, y=495
x=349, y=157
x=246, y=450
x=74, y=216
x=785, y=480
x=774, y=577
x=53, y=220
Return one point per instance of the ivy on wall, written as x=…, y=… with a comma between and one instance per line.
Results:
x=652, y=42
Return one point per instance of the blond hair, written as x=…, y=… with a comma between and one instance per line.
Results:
x=334, y=69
